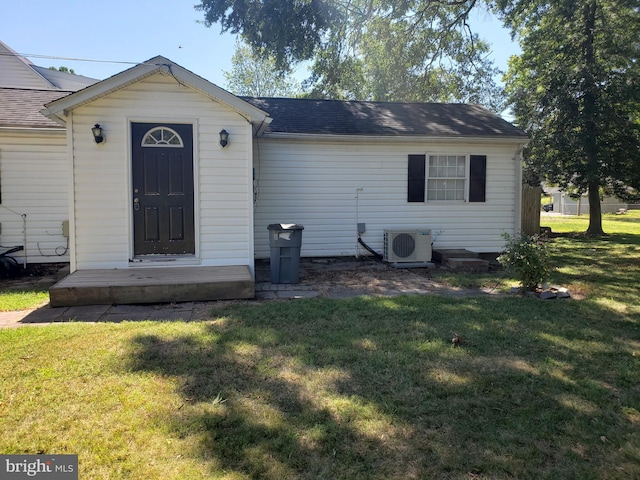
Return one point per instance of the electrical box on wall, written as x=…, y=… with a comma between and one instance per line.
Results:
x=65, y=229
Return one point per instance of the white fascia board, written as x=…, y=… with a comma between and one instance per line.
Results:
x=60, y=108
x=252, y=114
x=308, y=137
x=32, y=129
x=59, y=119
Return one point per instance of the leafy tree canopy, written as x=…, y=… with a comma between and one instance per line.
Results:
x=256, y=75
x=576, y=90
x=408, y=50
x=63, y=69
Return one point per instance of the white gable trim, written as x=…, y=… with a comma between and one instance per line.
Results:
x=158, y=65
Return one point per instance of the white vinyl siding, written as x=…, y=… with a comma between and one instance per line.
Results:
x=102, y=196
x=17, y=74
x=33, y=188
x=330, y=187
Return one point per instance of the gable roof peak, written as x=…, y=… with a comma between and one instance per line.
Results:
x=153, y=66
x=17, y=71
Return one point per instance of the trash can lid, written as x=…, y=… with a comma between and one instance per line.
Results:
x=285, y=226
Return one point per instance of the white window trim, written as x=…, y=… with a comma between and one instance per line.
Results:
x=466, y=178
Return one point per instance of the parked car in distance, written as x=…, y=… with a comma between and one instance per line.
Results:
x=548, y=207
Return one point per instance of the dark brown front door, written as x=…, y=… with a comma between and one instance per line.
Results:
x=162, y=174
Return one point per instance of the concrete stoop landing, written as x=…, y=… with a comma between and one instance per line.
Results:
x=460, y=260
x=153, y=285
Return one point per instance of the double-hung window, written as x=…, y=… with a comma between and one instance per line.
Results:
x=447, y=176
x=452, y=178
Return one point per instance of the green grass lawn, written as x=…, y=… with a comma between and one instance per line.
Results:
x=612, y=224
x=12, y=300
x=605, y=270
x=363, y=388
x=25, y=293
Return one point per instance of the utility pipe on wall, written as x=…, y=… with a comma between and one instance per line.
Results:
x=358, y=190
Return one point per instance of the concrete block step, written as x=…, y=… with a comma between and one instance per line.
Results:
x=441, y=255
x=475, y=265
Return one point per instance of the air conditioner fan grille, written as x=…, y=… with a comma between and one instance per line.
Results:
x=403, y=245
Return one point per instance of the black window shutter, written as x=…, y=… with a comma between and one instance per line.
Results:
x=416, y=180
x=478, y=178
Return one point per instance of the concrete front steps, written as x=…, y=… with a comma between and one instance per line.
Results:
x=460, y=260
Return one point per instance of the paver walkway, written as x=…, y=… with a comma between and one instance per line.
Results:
x=192, y=311
x=329, y=278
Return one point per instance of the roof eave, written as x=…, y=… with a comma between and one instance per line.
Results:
x=483, y=139
x=59, y=119
x=30, y=128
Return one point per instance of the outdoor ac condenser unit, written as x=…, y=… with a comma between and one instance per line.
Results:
x=407, y=246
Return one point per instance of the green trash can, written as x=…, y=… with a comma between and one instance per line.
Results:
x=285, y=240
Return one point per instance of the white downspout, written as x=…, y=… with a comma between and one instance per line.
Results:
x=517, y=227
x=358, y=190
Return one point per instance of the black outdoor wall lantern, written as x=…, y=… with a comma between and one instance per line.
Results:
x=224, y=138
x=98, y=136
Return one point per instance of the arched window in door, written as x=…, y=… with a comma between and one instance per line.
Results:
x=162, y=137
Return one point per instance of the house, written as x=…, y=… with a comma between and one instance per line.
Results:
x=165, y=190
x=33, y=159
x=330, y=165
x=564, y=204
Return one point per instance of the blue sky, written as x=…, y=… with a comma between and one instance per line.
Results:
x=136, y=30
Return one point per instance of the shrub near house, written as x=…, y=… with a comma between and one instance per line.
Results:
x=529, y=258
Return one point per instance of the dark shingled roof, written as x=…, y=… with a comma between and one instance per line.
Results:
x=21, y=107
x=334, y=117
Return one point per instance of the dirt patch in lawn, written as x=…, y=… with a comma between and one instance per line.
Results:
x=363, y=274
x=340, y=277
x=35, y=277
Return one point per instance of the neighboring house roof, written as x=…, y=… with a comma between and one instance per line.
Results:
x=16, y=71
x=334, y=117
x=153, y=66
x=26, y=88
x=20, y=107
x=63, y=80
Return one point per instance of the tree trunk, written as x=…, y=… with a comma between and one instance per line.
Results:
x=595, y=210
x=590, y=125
